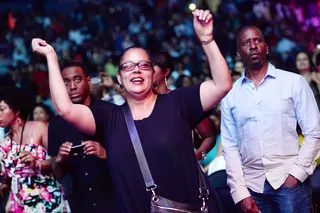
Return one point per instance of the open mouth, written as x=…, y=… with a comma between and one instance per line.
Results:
x=137, y=80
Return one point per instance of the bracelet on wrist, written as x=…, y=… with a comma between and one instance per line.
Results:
x=208, y=41
x=203, y=153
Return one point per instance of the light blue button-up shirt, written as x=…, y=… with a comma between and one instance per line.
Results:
x=259, y=136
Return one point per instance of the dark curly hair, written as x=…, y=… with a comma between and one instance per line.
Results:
x=16, y=99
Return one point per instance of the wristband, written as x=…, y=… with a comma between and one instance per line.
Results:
x=207, y=42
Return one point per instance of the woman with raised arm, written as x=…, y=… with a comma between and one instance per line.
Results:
x=166, y=140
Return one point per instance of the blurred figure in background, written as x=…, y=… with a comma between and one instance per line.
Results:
x=238, y=67
x=235, y=76
x=42, y=112
x=306, y=69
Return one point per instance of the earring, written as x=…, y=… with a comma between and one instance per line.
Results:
x=155, y=85
x=120, y=89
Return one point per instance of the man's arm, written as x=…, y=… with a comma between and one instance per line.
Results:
x=307, y=113
x=231, y=154
x=59, y=169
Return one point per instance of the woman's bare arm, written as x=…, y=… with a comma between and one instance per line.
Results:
x=211, y=92
x=80, y=116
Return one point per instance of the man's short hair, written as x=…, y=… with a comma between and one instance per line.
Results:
x=245, y=28
x=83, y=67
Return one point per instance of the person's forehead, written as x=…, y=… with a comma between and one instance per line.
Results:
x=302, y=55
x=250, y=33
x=39, y=108
x=135, y=55
x=72, y=71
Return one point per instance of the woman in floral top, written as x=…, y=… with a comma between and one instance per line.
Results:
x=23, y=155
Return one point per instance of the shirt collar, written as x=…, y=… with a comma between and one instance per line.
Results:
x=270, y=72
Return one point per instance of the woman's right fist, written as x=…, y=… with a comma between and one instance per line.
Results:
x=41, y=47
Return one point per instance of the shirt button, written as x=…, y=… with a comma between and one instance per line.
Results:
x=90, y=189
x=94, y=204
x=86, y=173
x=84, y=157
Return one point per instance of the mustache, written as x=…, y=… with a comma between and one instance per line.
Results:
x=254, y=53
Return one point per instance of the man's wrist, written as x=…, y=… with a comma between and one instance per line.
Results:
x=56, y=161
x=294, y=178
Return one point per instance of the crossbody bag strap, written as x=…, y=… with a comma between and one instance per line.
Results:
x=203, y=190
x=143, y=164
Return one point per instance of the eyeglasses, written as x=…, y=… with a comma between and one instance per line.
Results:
x=129, y=66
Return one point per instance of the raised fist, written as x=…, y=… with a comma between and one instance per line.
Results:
x=41, y=47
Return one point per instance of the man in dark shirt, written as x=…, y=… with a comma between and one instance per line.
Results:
x=92, y=186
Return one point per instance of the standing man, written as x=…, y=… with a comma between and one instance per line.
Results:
x=92, y=187
x=267, y=171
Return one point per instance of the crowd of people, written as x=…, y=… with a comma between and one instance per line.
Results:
x=88, y=32
x=72, y=133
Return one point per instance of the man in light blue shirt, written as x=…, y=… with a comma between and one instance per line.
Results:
x=267, y=171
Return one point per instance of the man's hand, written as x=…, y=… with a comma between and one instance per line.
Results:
x=291, y=181
x=64, y=153
x=248, y=205
x=94, y=148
